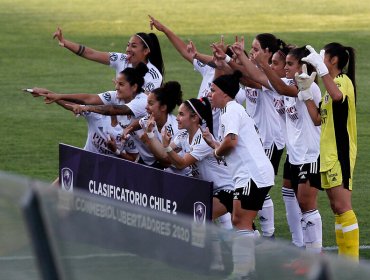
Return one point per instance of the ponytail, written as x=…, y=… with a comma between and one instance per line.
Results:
x=346, y=60
x=202, y=108
x=169, y=94
x=150, y=40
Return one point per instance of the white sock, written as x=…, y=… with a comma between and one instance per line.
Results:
x=243, y=252
x=293, y=216
x=224, y=221
x=312, y=231
x=217, y=263
x=266, y=217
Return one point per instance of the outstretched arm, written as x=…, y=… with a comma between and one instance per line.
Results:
x=110, y=110
x=83, y=51
x=187, y=51
x=276, y=82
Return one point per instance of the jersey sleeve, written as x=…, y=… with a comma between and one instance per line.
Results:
x=116, y=60
x=316, y=92
x=200, y=150
x=200, y=67
x=231, y=123
x=153, y=79
x=137, y=106
x=108, y=97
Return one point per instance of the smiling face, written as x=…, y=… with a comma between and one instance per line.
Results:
x=124, y=90
x=154, y=107
x=185, y=118
x=292, y=66
x=136, y=51
x=278, y=64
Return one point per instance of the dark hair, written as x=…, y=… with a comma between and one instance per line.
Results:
x=346, y=60
x=299, y=53
x=285, y=49
x=203, y=108
x=136, y=75
x=268, y=40
x=169, y=94
x=155, y=54
x=229, y=84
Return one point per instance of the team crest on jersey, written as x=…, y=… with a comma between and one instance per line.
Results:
x=67, y=179
x=199, y=213
x=123, y=57
x=200, y=64
x=107, y=96
x=149, y=87
x=113, y=57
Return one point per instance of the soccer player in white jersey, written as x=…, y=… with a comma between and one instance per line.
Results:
x=160, y=105
x=302, y=139
x=205, y=66
x=266, y=107
x=195, y=154
x=141, y=47
x=128, y=84
x=252, y=172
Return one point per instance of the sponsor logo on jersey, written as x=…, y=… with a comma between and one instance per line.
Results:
x=113, y=57
x=67, y=179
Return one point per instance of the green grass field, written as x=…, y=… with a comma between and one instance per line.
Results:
x=30, y=131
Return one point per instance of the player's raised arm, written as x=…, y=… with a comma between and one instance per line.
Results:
x=81, y=50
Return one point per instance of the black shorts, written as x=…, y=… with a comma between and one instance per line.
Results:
x=308, y=171
x=274, y=155
x=251, y=197
x=226, y=198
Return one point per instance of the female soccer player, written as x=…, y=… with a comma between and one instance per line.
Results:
x=193, y=116
x=161, y=102
x=128, y=84
x=141, y=47
x=338, y=144
x=266, y=107
x=302, y=138
x=252, y=172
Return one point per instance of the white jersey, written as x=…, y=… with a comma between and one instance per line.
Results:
x=152, y=79
x=265, y=107
x=207, y=167
x=136, y=105
x=172, y=126
x=208, y=74
x=303, y=137
x=99, y=127
x=248, y=159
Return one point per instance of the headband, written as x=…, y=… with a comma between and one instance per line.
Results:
x=145, y=43
x=195, y=110
x=281, y=53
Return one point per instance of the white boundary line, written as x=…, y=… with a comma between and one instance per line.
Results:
x=333, y=248
x=91, y=256
x=81, y=257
